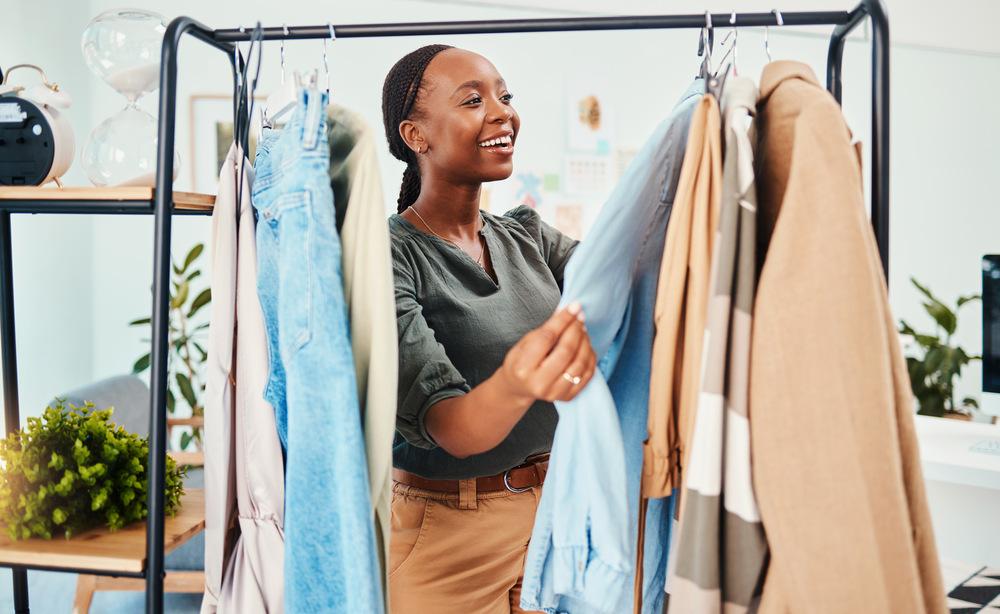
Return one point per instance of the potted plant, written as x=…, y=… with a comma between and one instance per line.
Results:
x=938, y=363
x=186, y=353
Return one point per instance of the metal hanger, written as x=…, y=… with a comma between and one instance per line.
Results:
x=250, y=85
x=713, y=84
x=733, y=34
x=239, y=68
x=285, y=98
x=779, y=21
x=705, y=42
x=243, y=100
x=326, y=66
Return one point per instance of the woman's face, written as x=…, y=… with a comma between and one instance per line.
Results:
x=466, y=125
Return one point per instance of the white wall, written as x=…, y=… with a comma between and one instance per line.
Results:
x=53, y=298
x=945, y=214
x=943, y=206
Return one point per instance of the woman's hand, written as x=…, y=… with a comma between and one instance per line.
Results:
x=547, y=361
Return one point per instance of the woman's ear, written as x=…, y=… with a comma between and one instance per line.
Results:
x=413, y=136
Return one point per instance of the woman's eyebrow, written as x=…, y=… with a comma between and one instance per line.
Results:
x=474, y=83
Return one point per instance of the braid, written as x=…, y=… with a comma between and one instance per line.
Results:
x=399, y=96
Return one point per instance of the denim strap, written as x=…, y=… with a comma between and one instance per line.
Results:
x=315, y=104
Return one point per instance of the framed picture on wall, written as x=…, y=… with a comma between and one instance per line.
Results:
x=211, y=122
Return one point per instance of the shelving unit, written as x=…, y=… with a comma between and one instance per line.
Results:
x=163, y=203
x=99, y=551
x=126, y=552
x=138, y=200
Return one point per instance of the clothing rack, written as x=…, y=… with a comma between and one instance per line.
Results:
x=163, y=203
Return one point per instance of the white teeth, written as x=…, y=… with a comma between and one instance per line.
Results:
x=503, y=140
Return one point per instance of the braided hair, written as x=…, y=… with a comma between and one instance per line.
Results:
x=399, y=95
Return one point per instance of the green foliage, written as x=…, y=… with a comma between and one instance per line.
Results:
x=72, y=470
x=933, y=372
x=186, y=352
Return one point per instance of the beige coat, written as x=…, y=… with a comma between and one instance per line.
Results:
x=244, y=469
x=836, y=468
x=682, y=303
x=368, y=288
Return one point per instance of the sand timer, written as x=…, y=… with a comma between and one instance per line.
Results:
x=122, y=47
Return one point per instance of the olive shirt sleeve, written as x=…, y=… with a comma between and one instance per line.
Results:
x=426, y=375
x=555, y=246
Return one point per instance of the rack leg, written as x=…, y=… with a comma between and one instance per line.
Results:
x=20, y=590
x=163, y=208
x=874, y=9
x=11, y=412
x=880, y=129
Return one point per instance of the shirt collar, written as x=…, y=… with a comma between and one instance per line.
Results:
x=697, y=88
x=780, y=71
x=740, y=92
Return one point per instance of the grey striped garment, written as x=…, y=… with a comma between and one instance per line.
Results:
x=719, y=558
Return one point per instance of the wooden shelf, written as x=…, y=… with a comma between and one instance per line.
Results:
x=100, y=550
x=190, y=201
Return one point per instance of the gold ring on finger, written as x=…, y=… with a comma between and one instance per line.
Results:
x=573, y=379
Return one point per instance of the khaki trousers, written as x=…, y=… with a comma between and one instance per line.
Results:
x=452, y=554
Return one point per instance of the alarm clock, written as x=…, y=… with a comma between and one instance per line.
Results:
x=36, y=138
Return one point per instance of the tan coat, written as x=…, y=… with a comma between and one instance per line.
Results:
x=682, y=303
x=836, y=468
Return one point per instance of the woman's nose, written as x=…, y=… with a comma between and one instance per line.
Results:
x=500, y=112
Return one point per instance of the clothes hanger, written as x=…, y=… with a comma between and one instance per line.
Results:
x=237, y=86
x=705, y=41
x=285, y=98
x=243, y=95
x=245, y=86
x=731, y=51
x=779, y=21
x=713, y=84
x=326, y=66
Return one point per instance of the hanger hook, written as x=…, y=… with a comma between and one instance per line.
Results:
x=284, y=27
x=779, y=20
x=236, y=59
x=736, y=40
x=706, y=40
x=326, y=66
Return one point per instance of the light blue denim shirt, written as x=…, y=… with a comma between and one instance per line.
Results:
x=582, y=552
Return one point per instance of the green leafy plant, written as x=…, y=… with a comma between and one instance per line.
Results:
x=72, y=469
x=187, y=354
x=934, y=370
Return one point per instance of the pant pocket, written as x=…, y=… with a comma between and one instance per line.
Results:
x=410, y=519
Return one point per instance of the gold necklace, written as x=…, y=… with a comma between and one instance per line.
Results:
x=482, y=248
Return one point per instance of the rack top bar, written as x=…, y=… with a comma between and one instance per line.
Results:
x=558, y=24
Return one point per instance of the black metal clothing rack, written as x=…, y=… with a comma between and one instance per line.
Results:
x=162, y=205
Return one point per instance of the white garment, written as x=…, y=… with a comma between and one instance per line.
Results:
x=369, y=290
x=244, y=571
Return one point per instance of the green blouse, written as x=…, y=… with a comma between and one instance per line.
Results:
x=456, y=325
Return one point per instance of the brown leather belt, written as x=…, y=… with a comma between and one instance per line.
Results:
x=519, y=479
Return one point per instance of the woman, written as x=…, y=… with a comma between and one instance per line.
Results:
x=481, y=354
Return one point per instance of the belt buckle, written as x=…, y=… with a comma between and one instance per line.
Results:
x=506, y=483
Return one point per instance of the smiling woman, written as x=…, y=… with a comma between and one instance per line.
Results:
x=482, y=356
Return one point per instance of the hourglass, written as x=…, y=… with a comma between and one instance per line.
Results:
x=122, y=47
